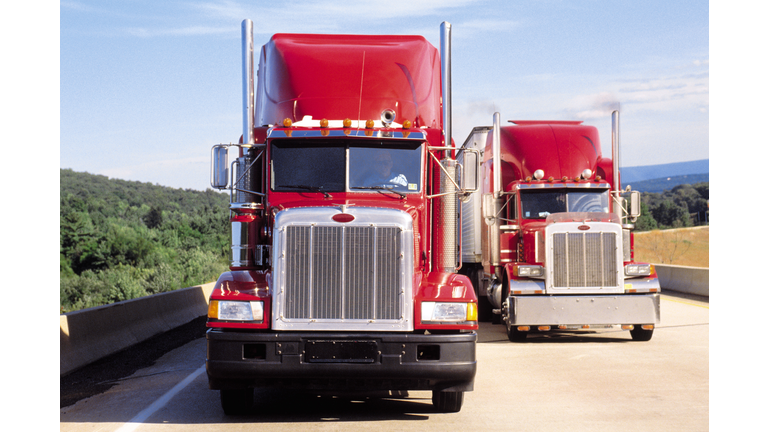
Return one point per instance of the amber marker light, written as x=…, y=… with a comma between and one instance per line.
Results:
x=369, y=124
x=627, y=327
x=324, y=123
x=287, y=122
x=347, y=123
x=407, y=124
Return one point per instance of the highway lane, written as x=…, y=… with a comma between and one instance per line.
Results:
x=601, y=381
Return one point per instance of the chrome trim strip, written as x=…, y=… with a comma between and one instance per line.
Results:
x=605, y=186
x=349, y=133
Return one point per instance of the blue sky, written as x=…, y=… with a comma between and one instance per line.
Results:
x=146, y=87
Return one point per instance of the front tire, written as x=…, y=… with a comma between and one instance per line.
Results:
x=446, y=401
x=640, y=335
x=236, y=401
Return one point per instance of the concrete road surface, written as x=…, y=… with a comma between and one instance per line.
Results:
x=600, y=381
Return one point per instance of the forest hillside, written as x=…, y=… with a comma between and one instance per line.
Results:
x=121, y=239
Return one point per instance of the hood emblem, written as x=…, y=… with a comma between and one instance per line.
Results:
x=583, y=227
x=343, y=217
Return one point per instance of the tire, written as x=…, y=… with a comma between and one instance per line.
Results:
x=640, y=335
x=513, y=334
x=236, y=401
x=484, y=308
x=447, y=402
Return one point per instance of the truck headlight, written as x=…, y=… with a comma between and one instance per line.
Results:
x=236, y=310
x=531, y=271
x=448, y=312
x=637, y=269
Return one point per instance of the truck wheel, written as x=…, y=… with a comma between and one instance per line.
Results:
x=640, y=335
x=236, y=401
x=515, y=335
x=484, y=308
x=446, y=401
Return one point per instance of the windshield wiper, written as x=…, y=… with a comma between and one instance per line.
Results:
x=380, y=189
x=307, y=187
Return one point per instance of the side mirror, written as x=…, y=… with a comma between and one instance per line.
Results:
x=634, y=205
x=219, y=167
x=470, y=160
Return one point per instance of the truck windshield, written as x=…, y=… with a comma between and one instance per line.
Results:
x=338, y=166
x=540, y=204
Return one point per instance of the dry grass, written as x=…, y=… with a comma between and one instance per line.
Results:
x=686, y=247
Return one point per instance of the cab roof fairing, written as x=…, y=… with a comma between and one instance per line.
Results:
x=349, y=76
x=560, y=149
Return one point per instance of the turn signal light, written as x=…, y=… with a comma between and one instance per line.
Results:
x=647, y=326
x=523, y=328
x=544, y=328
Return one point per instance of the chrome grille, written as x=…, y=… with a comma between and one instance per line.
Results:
x=342, y=273
x=355, y=275
x=584, y=260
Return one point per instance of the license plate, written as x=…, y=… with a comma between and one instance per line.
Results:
x=340, y=351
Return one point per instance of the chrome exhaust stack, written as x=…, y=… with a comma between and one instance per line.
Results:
x=248, y=87
x=445, y=65
x=446, y=209
x=496, y=148
x=615, y=149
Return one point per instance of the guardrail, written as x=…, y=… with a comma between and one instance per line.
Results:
x=90, y=334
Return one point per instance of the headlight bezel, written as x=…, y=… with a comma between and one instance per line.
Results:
x=440, y=312
x=237, y=310
x=638, y=270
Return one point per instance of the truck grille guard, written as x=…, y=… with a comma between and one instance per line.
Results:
x=355, y=275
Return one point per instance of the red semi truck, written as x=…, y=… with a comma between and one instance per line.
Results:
x=547, y=239
x=344, y=214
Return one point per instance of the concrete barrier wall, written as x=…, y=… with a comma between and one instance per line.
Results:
x=91, y=334
x=689, y=280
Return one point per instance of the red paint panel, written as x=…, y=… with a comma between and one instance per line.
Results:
x=349, y=76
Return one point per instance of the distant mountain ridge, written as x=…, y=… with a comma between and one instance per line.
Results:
x=666, y=183
x=652, y=172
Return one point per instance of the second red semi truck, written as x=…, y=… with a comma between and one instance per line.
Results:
x=547, y=240
x=344, y=225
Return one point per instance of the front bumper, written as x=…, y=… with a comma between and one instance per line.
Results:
x=341, y=361
x=584, y=309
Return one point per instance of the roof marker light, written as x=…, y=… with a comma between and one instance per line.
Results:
x=407, y=124
x=586, y=174
x=347, y=123
x=369, y=124
x=287, y=122
x=324, y=123
x=538, y=174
